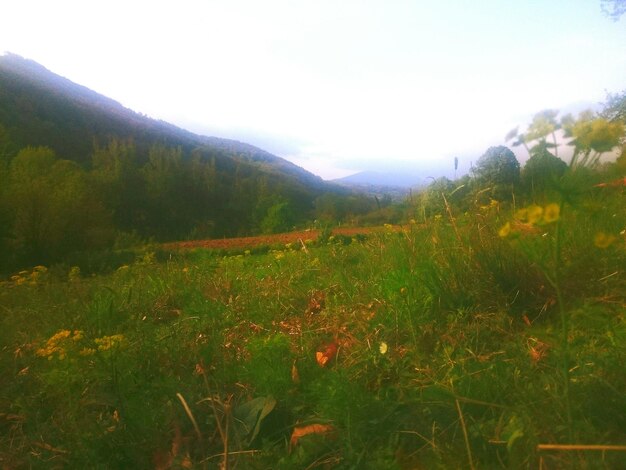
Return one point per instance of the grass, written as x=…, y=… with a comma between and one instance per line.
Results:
x=449, y=340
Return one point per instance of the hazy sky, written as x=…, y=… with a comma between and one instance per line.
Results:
x=336, y=86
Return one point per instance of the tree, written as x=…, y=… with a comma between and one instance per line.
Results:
x=280, y=218
x=614, y=8
x=53, y=210
x=118, y=180
x=615, y=107
x=541, y=172
x=498, y=169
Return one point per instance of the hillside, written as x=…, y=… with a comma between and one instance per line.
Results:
x=80, y=172
x=39, y=107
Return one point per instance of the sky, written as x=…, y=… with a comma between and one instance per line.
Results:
x=335, y=86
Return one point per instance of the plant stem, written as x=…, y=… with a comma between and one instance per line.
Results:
x=564, y=319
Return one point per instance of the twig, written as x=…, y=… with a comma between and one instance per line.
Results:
x=236, y=452
x=190, y=414
x=467, y=444
x=429, y=441
x=580, y=447
x=43, y=445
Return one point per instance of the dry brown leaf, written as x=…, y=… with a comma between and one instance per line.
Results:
x=326, y=353
x=301, y=431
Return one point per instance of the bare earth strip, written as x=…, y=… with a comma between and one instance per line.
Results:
x=277, y=239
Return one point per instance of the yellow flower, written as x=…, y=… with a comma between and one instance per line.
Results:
x=505, y=230
x=522, y=215
x=87, y=352
x=534, y=214
x=603, y=240
x=551, y=213
x=383, y=348
x=107, y=342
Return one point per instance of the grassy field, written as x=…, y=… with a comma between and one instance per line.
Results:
x=473, y=340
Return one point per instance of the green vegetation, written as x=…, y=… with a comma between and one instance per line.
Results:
x=485, y=332
x=468, y=341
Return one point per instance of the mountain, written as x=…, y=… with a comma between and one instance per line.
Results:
x=79, y=172
x=395, y=179
x=41, y=108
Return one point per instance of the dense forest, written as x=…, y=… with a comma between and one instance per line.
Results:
x=81, y=172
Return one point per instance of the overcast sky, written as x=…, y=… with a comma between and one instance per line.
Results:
x=336, y=86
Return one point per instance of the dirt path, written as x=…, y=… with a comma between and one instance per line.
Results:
x=277, y=239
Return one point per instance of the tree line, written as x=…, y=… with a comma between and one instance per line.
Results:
x=51, y=206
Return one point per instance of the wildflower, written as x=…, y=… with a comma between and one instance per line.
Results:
x=74, y=274
x=534, y=214
x=55, y=345
x=551, y=213
x=107, y=342
x=522, y=215
x=40, y=269
x=383, y=348
x=438, y=217
x=603, y=240
x=505, y=230
x=87, y=352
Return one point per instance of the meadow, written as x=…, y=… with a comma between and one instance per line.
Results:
x=488, y=338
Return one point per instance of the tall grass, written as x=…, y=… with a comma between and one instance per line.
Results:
x=448, y=336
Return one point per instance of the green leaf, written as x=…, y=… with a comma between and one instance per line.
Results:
x=514, y=437
x=251, y=413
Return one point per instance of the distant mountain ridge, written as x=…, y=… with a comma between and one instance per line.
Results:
x=39, y=107
x=392, y=179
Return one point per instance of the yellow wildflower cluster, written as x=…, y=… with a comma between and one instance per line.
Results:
x=108, y=342
x=493, y=204
x=59, y=344
x=28, y=277
x=74, y=274
x=530, y=216
x=539, y=215
x=66, y=342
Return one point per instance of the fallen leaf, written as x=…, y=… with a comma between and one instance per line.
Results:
x=326, y=354
x=295, y=375
x=301, y=431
